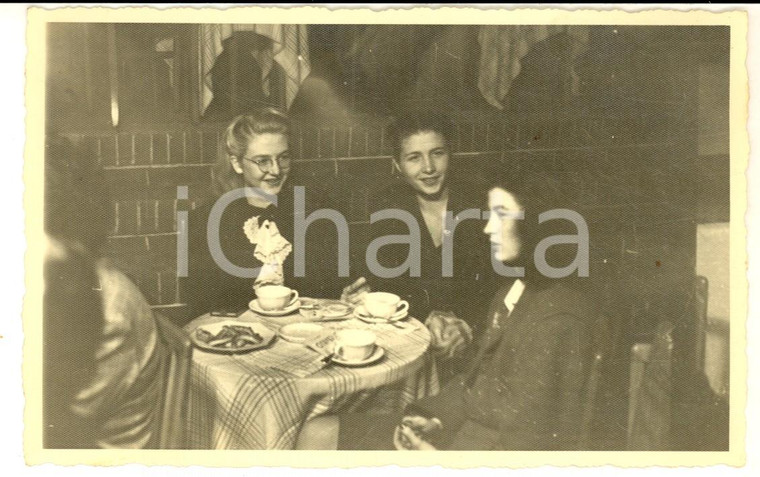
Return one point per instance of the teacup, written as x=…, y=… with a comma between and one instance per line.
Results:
x=354, y=345
x=384, y=305
x=275, y=297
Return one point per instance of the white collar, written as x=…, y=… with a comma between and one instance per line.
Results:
x=514, y=294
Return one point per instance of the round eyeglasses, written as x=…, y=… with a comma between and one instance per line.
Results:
x=265, y=164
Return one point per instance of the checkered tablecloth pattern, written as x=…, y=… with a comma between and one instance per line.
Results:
x=260, y=400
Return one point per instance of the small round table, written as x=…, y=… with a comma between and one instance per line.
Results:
x=260, y=400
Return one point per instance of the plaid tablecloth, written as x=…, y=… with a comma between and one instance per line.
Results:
x=261, y=399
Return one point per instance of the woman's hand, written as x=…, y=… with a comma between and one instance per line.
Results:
x=449, y=333
x=410, y=434
x=354, y=293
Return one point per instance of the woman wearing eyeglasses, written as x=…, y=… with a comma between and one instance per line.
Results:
x=256, y=225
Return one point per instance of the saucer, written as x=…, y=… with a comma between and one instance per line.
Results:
x=331, y=311
x=254, y=306
x=363, y=315
x=379, y=353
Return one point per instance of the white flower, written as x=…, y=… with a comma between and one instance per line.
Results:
x=271, y=249
x=251, y=229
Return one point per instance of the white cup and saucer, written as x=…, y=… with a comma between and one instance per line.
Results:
x=382, y=307
x=275, y=300
x=355, y=347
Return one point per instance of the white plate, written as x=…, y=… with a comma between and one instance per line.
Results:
x=300, y=332
x=325, y=311
x=363, y=315
x=214, y=328
x=254, y=306
x=379, y=353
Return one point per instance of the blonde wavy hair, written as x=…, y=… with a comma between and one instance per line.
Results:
x=236, y=139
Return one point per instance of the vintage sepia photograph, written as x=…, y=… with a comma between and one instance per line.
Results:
x=315, y=230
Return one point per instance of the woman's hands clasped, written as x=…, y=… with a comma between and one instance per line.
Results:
x=450, y=334
x=413, y=432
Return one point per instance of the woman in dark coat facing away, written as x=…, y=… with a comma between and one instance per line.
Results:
x=524, y=388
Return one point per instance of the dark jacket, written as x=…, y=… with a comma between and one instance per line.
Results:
x=524, y=390
x=208, y=287
x=467, y=291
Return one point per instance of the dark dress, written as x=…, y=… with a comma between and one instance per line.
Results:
x=524, y=389
x=208, y=287
x=467, y=291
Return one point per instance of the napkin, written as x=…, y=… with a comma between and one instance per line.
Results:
x=301, y=360
x=294, y=359
x=324, y=343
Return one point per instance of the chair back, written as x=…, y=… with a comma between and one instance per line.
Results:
x=604, y=336
x=176, y=381
x=700, y=302
x=649, y=405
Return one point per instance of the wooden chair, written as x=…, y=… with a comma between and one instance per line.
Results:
x=649, y=405
x=605, y=335
x=700, y=302
x=176, y=381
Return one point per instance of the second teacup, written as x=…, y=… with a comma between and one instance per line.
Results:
x=354, y=345
x=384, y=305
x=275, y=297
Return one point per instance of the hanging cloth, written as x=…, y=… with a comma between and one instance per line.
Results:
x=503, y=46
x=289, y=49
